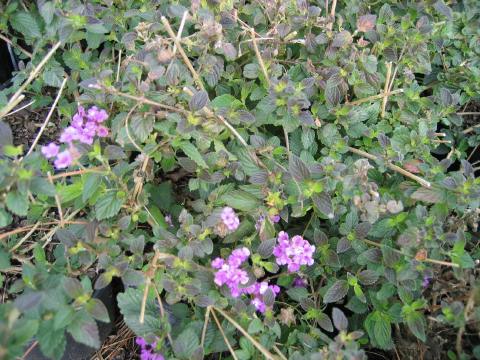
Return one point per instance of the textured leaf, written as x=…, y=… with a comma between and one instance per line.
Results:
x=265, y=249
x=241, y=200
x=52, y=343
x=198, y=100
x=336, y=292
x=130, y=303
x=428, y=195
x=339, y=319
x=107, y=206
x=6, y=137
x=298, y=169
x=368, y=277
x=250, y=71
x=17, y=203
x=324, y=322
x=416, y=324
x=185, y=344
x=192, y=152
x=342, y=38
x=26, y=24
x=333, y=93
x=85, y=331
x=323, y=203
x=298, y=293
x=97, y=309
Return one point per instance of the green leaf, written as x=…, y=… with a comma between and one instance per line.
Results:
x=198, y=100
x=130, y=303
x=84, y=330
x=382, y=331
x=298, y=293
x=185, y=344
x=323, y=202
x=108, y=205
x=255, y=327
x=336, y=292
x=47, y=10
x=224, y=101
x=97, y=309
x=240, y=200
x=17, y=203
x=5, y=218
x=26, y=24
x=192, y=152
x=92, y=182
x=250, y=71
x=52, y=343
x=416, y=324
x=41, y=186
x=297, y=168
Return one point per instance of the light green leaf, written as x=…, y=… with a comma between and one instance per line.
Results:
x=192, y=152
x=241, y=200
x=24, y=23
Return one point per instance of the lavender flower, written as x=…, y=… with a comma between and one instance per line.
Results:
x=229, y=272
x=83, y=128
x=258, y=290
x=275, y=218
x=426, y=281
x=293, y=252
x=147, y=351
x=230, y=219
x=63, y=160
x=50, y=150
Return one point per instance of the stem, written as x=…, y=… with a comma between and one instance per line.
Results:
x=14, y=99
x=375, y=97
x=224, y=336
x=393, y=167
x=185, y=58
x=8, y=41
x=259, y=57
x=49, y=115
x=259, y=346
x=386, y=87
x=57, y=200
x=205, y=325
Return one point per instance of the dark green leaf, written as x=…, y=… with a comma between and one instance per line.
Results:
x=241, y=200
x=108, y=205
x=198, y=100
x=336, y=292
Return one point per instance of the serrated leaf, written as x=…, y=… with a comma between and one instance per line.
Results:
x=142, y=126
x=339, y=319
x=130, y=303
x=428, y=195
x=368, y=277
x=41, y=186
x=198, y=100
x=6, y=137
x=85, y=331
x=97, y=309
x=241, y=200
x=108, y=205
x=52, y=343
x=323, y=202
x=255, y=326
x=192, y=152
x=250, y=71
x=17, y=203
x=298, y=293
x=336, y=292
x=342, y=38
x=297, y=168
x=26, y=24
x=324, y=322
x=47, y=10
x=265, y=249
x=185, y=344
x=416, y=324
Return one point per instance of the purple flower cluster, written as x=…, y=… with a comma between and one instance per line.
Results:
x=85, y=125
x=230, y=219
x=229, y=273
x=293, y=252
x=147, y=351
x=259, y=289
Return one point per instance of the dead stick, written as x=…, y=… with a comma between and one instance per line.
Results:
x=374, y=97
x=259, y=58
x=230, y=348
x=385, y=89
x=393, y=167
x=49, y=115
x=185, y=58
